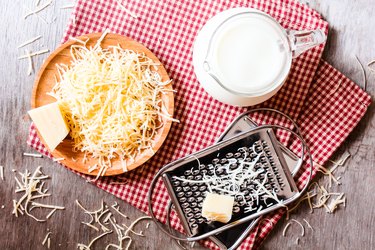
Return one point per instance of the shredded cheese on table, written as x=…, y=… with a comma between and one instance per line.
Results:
x=31, y=185
x=31, y=40
x=103, y=217
x=2, y=172
x=112, y=101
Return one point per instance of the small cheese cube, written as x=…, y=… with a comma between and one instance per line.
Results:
x=218, y=207
x=50, y=123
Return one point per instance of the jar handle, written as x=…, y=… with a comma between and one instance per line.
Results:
x=303, y=40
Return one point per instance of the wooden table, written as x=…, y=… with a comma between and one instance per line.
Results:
x=351, y=33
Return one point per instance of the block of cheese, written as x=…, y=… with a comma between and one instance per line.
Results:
x=217, y=207
x=50, y=123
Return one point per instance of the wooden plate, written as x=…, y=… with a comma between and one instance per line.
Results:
x=46, y=80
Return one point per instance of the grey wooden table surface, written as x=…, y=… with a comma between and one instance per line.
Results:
x=352, y=33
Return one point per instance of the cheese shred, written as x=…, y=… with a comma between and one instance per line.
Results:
x=2, y=173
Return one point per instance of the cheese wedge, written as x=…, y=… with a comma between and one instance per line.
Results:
x=217, y=207
x=50, y=123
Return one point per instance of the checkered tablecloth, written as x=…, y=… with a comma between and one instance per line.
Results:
x=326, y=104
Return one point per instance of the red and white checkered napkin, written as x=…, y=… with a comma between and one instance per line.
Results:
x=326, y=107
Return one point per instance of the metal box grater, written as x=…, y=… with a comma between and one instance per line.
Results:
x=259, y=148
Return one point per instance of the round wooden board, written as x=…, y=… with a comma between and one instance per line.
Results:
x=46, y=80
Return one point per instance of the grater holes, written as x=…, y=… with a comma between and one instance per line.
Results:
x=180, y=194
x=215, y=161
x=187, y=210
x=191, y=199
x=195, y=172
x=229, y=155
x=194, y=188
x=197, y=193
x=183, y=199
x=200, y=199
x=236, y=209
x=189, y=215
x=185, y=205
x=200, y=220
x=176, y=183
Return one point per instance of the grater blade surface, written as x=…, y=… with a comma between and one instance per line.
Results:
x=257, y=150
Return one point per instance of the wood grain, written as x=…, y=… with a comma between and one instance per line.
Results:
x=45, y=81
x=351, y=33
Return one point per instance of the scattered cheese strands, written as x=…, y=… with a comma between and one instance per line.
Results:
x=112, y=101
x=40, y=52
x=38, y=9
x=32, y=187
x=2, y=172
x=46, y=238
x=308, y=224
x=302, y=227
x=36, y=14
x=104, y=215
x=31, y=40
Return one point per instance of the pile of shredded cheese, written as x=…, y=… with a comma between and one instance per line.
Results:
x=112, y=101
x=104, y=222
x=32, y=188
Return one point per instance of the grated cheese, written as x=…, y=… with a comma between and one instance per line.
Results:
x=46, y=238
x=308, y=224
x=363, y=73
x=38, y=9
x=31, y=68
x=111, y=100
x=2, y=172
x=122, y=231
x=285, y=228
x=302, y=227
x=369, y=66
x=67, y=6
x=40, y=52
x=58, y=159
x=126, y=10
x=32, y=187
x=33, y=155
x=31, y=40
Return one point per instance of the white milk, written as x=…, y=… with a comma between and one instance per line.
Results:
x=249, y=54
